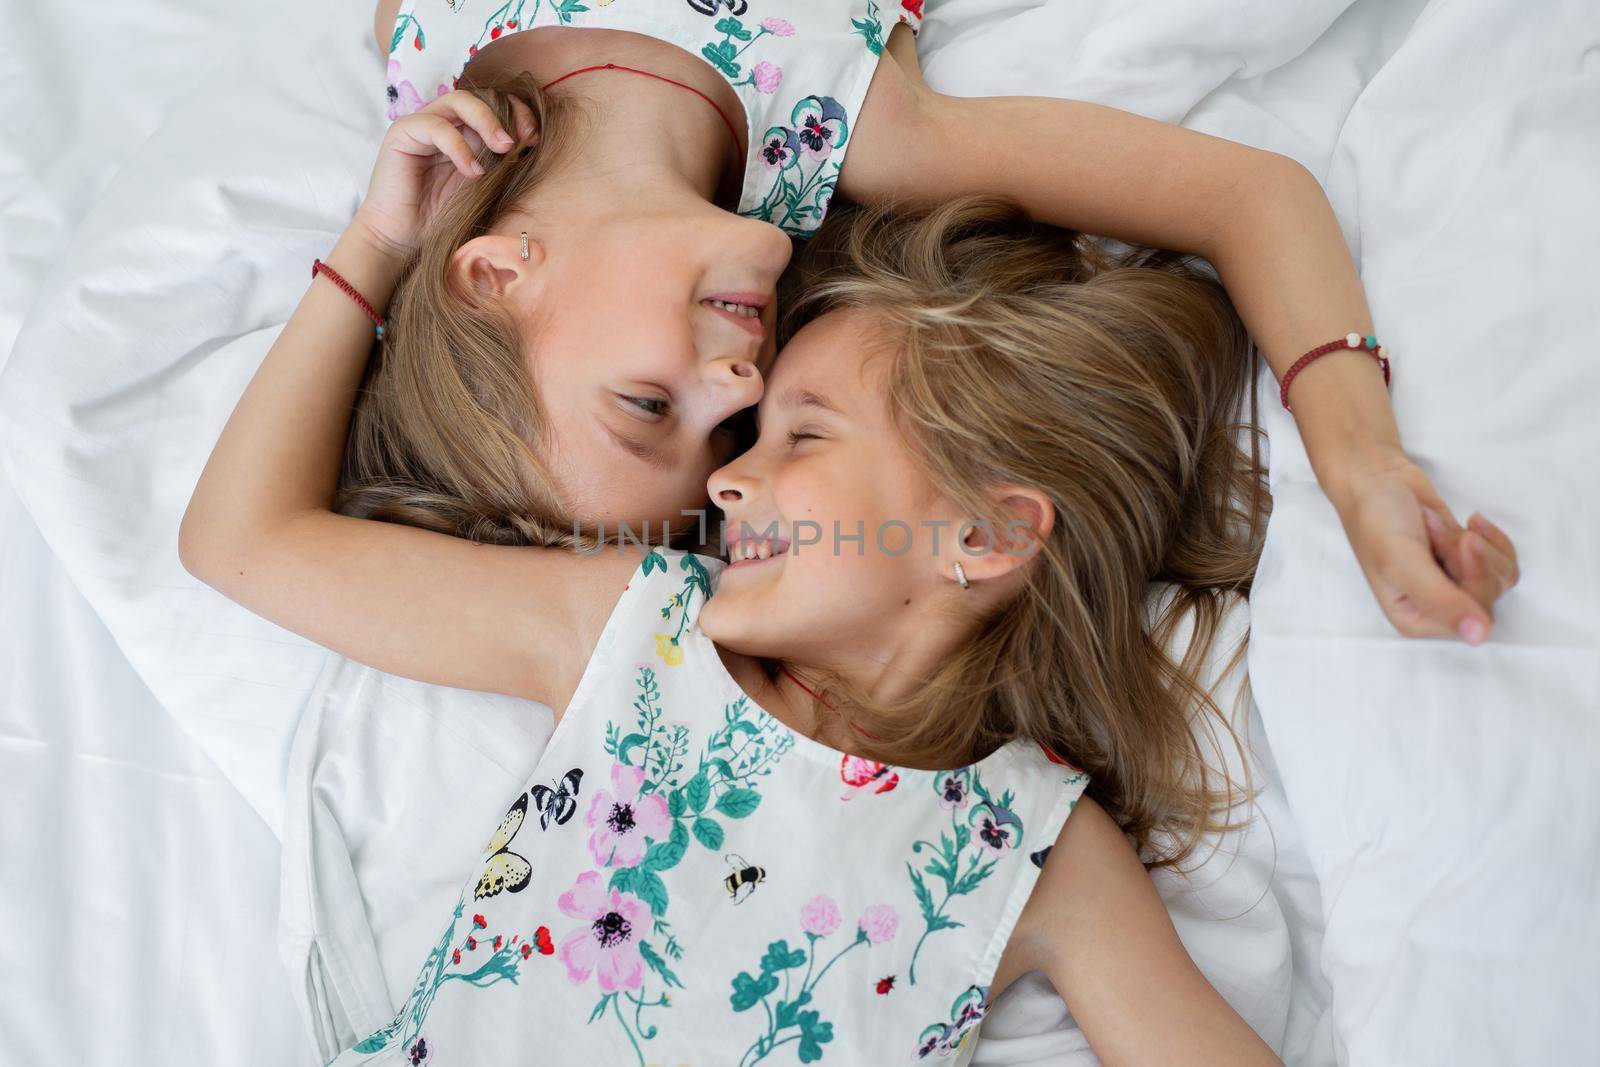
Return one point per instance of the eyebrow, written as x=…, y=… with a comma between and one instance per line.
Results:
x=638, y=449
x=794, y=397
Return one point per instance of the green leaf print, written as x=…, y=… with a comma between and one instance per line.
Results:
x=676, y=804
x=732, y=27
x=739, y=803
x=658, y=965
x=666, y=854
x=653, y=562
x=649, y=887
x=709, y=833
x=780, y=957
x=813, y=1035
x=748, y=992
x=698, y=792
x=787, y=1012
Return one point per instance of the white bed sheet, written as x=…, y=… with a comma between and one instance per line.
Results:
x=156, y=314
x=139, y=891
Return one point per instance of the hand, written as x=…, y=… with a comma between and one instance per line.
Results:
x=1432, y=577
x=425, y=158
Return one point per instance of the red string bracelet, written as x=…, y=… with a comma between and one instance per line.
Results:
x=378, y=321
x=1346, y=343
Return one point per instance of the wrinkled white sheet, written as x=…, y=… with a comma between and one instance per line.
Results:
x=138, y=890
x=1458, y=173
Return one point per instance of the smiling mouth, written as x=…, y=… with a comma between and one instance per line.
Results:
x=750, y=550
x=742, y=309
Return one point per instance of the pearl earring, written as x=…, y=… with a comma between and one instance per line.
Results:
x=524, y=244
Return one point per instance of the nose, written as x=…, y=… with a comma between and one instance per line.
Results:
x=729, y=484
x=736, y=382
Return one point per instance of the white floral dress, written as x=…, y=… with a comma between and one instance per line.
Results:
x=801, y=70
x=687, y=881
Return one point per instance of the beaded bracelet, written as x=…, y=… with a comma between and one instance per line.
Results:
x=378, y=321
x=1346, y=343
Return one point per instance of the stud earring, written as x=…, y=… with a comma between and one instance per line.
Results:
x=961, y=575
x=524, y=244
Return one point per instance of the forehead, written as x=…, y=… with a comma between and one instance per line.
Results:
x=836, y=348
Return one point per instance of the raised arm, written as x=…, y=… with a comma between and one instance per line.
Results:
x=1097, y=928
x=1264, y=223
x=260, y=528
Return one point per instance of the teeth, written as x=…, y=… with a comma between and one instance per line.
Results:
x=742, y=310
x=763, y=550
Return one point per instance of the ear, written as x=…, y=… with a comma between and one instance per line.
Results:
x=987, y=553
x=491, y=268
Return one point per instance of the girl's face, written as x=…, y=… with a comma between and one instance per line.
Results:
x=655, y=327
x=839, y=543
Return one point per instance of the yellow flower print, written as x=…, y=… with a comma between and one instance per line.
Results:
x=669, y=650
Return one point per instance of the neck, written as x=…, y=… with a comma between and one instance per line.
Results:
x=644, y=138
x=889, y=676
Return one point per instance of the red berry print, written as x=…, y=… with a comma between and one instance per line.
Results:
x=541, y=937
x=455, y=957
x=527, y=950
x=472, y=944
x=511, y=25
x=498, y=941
x=479, y=921
x=416, y=42
x=494, y=33
x=473, y=50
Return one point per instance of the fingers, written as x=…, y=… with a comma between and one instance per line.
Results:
x=526, y=127
x=473, y=112
x=1422, y=600
x=443, y=135
x=1500, y=542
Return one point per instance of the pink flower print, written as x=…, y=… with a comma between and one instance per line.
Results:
x=997, y=828
x=819, y=125
x=767, y=77
x=607, y=945
x=879, y=923
x=778, y=28
x=403, y=97
x=953, y=791
x=622, y=819
x=780, y=150
x=820, y=916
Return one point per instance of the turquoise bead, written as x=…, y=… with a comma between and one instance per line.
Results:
x=1372, y=342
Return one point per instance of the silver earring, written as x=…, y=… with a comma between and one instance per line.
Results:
x=961, y=575
x=524, y=244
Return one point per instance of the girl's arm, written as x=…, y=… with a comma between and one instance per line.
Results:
x=260, y=528
x=1265, y=224
x=1097, y=928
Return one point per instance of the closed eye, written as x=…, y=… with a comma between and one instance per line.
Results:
x=796, y=436
x=651, y=408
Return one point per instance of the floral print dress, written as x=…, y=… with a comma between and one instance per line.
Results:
x=687, y=881
x=801, y=70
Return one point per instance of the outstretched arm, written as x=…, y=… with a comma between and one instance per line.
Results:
x=1265, y=224
x=260, y=528
x=1096, y=926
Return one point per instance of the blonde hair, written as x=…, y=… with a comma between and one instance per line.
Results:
x=1020, y=354
x=447, y=425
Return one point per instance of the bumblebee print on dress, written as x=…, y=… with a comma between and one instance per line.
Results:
x=711, y=887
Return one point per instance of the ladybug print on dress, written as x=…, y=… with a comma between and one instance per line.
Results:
x=885, y=984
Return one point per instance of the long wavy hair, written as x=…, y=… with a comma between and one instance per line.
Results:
x=448, y=427
x=1022, y=354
